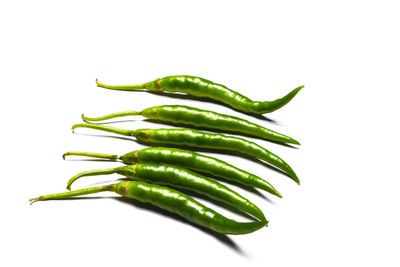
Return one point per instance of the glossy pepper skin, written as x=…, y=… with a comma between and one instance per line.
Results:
x=201, y=87
x=171, y=200
x=202, y=118
x=189, y=160
x=175, y=176
x=199, y=139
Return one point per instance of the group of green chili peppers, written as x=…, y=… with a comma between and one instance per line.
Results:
x=155, y=168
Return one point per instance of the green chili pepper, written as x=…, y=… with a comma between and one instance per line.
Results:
x=202, y=118
x=189, y=160
x=181, y=178
x=171, y=200
x=194, y=138
x=200, y=87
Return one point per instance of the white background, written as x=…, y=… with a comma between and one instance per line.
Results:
x=346, y=53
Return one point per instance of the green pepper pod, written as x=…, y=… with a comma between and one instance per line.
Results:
x=202, y=118
x=170, y=200
x=181, y=178
x=189, y=160
x=200, y=87
x=199, y=139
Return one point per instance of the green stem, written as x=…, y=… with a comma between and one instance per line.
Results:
x=130, y=87
x=89, y=173
x=104, y=128
x=110, y=116
x=92, y=155
x=79, y=192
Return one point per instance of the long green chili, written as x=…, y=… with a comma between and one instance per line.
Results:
x=201, y=87
x=171, y=200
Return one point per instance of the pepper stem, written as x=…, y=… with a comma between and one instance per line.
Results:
x=104, y=128
x=130, y=87
x=111, y=116
x=79, y=192
x=90, y=173
x=92, y=155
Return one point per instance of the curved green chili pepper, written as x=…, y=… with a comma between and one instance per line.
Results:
x=181, y=178
x=200, y=87
x=189, y=160
x=171, y=200
x=194, y=138
x=202, y=118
